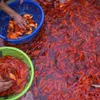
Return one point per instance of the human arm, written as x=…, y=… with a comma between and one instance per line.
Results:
x=17, y=17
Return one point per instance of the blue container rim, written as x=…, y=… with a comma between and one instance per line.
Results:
x=36, y=30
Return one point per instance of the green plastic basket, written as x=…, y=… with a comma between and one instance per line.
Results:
x=11, y=51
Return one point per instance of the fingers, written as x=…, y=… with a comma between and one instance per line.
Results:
x=21, y=1
x=1, y=80
x=20, y=21
x=22, y=24
x=6, y=85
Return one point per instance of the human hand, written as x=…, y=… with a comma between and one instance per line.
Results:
x=19, y=20
x=5, y=85
x=21, y=1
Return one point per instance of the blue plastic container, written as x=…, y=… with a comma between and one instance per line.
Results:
x=28, y=6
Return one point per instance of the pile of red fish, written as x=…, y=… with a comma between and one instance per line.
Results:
x=14, y=32
x=15, y=70
x=66, y=53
